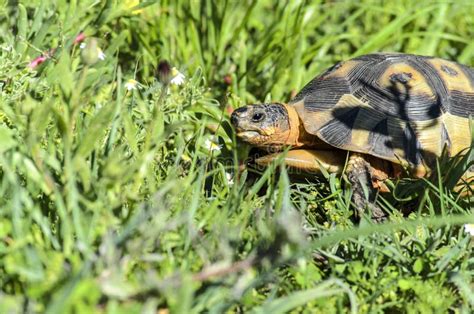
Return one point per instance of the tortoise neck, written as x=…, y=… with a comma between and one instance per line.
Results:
x=297, y=136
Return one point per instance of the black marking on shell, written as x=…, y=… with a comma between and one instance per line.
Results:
x=323, y=94
x=458, y=103
x=338, y=131
x=463, y=102
x=395, y=100
x=367, y=73
x=331, y=69
x=449, y=70
x=403, y=77
x=469, y=73
x=380, y=141
x=435, y=81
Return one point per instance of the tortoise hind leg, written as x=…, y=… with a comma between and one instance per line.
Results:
x=359, y=172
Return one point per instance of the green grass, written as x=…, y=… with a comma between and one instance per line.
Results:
x=112, y=202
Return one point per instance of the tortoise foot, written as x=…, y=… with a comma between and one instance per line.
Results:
x=363, y=193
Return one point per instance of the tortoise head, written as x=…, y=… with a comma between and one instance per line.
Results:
x=263, y=125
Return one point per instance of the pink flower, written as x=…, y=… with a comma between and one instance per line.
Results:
x=79, y=38
x=37, y=61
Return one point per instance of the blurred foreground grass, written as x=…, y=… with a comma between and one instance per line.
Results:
x=119, y=194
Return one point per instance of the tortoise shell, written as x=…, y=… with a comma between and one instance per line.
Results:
x=402, y=108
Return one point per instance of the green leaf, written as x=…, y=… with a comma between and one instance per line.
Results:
x=22, y=25
x=62, y=74
x=404, y=284
x=95, y=130
x=418, y=265
x=38, y=19
x=6, y=139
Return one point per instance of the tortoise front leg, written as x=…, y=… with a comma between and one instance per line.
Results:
x=312, y=161
x=361, y=176
x=365, y=179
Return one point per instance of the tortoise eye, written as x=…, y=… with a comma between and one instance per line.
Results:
x=257, y=117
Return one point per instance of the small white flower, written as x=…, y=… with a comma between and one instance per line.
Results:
x=131, y=84
x=230, y=178
x=101, y=54
x=178, y=77
x=212, y=146
x=82, y=45
x=469, y=228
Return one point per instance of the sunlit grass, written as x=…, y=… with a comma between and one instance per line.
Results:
x=124, y=193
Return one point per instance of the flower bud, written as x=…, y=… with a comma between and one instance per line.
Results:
x=164, y=72
x=90, y=53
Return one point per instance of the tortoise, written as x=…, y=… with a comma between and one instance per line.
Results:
x=389, y=111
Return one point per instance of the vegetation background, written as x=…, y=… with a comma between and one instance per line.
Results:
x=120, y=194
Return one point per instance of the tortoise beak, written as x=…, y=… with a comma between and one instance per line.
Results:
x=239, y=120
